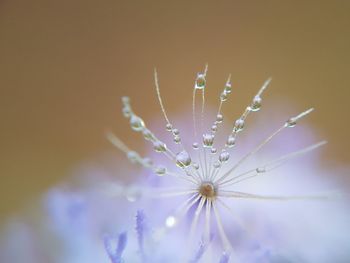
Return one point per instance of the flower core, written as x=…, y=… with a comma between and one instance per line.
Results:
x=207, y=189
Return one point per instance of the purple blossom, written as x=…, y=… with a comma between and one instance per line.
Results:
x=224, y=258
x=140, y=230
x=199, y=253
x=258, y=210
x=115, y=247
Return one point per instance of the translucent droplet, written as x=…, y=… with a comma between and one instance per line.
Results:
x=159, y=146
x=208, y=140
x=195, y=146
x=126, y=112
x=256, y=105
x=230, y=141
x=137, y=123
x=168, y=127
x=148, y=135
x=160, y=170
x=223, y=96
x=176, y=132
x=239, y=125
x=200, y=81
x=214, y=128
x=125, y=100
x=216, y=165
x=291, y=123
x=133, y=156
x=213, y=150
x=219, y=118
x=195, y=166
x=260, y=170
x=224, y=156
x=228, y=88
x=177, y=139
x=133, y=194
x=183, y=159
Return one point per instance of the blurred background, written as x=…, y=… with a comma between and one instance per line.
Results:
x=65, y=64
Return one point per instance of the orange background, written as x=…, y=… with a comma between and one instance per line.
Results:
x=65, y=64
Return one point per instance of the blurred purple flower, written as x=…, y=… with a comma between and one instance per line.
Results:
x=115, y=246
x=206, y=176
x=233, y=213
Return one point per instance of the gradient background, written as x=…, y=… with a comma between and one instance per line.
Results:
x=65, y=64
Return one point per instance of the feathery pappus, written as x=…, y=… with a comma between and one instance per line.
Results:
x=205, y=172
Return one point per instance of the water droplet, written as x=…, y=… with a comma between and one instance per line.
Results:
x=230, y=141
x=219, y=118
x=183, y=159
x=125, y=100
x=213, y=150
x=256, y=105
x=208, y=140
x=195, y=166
x=214, y=128
x=291, y=123
x=126, y=112
x=216, y=165
x=160, y=170
x=224, y=156
x=159, y=146
x=200, y=82
x=228, y=88
x=168, y=127
x=176, y=132
x=223, y=96
x=133, y=156
x=260, y=170
x=177, y=139
x=133, y=194
x=136, y=123
x=239, y=125
x=195, y=146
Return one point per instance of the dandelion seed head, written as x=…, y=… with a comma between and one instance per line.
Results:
x=206, y=173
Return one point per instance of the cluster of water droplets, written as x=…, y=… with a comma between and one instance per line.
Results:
x=239, y=124
x=137, y=124
x=182, y=158
x=227, y=90
x=210, y=174
x=209, y=137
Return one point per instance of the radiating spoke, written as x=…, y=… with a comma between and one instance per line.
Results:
x=207, y=221
x=289, y=123
x=195, y=221
x=153, y=193
x=236, y=218
x=234, y=194
x=225, y=242
x=270, y=165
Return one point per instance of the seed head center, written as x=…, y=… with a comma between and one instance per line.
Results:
x=207, y=189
